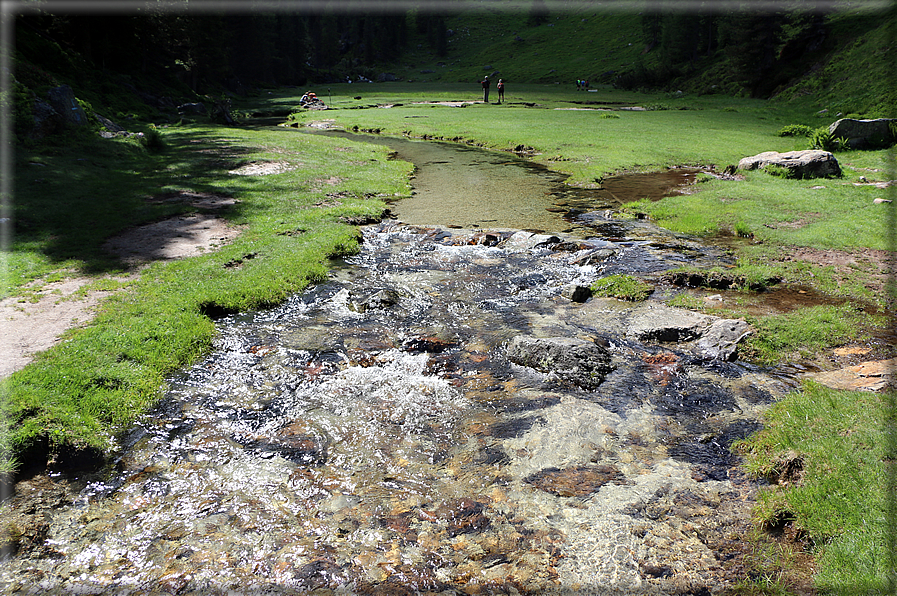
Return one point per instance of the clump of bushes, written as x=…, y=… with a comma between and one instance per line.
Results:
x=795, y=130
x=622, y=287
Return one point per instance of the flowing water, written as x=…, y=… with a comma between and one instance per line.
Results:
x=371, y=435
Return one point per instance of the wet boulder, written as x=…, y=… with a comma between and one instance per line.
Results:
x=576, y=293
x=377, y=300
x=810, y=163
x=593, y=257
x=720, y=340
x=577, y=361
x=523, y=240
x=714, y=338
x=865, y=134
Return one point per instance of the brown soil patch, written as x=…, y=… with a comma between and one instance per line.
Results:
x=31, y=327
x=876, y=262
x=175, y=238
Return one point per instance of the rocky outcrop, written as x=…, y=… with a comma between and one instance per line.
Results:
x=865, y=376
x=865, y=134
x=192, y=109
x=60, y=109
x=63, y=100
x=577, y=361
x=47, y=121
x=811, y=163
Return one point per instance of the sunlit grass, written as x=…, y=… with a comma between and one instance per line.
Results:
x=804, y=333
x=835, y=493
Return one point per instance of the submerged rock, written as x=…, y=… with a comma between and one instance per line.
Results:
x=460, y=516
x=575, y=482
x=577, y=361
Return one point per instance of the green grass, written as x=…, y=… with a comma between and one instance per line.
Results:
x=705, y=134
x=622, y=287
x=833, y=214
x=804, y=333
x=81, y=392
x=825, y=452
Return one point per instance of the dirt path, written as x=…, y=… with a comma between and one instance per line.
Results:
x=29, y=327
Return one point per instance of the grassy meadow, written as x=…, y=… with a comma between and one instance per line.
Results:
x=79, y=394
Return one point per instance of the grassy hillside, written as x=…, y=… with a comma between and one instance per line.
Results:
x=572, y=44
x=848, y=72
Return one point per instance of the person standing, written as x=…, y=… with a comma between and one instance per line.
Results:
x=485, y=84
x=501, y=90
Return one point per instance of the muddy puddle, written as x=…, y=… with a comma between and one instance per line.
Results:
x=381, y=434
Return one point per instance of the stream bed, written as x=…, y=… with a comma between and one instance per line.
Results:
x=373, y=435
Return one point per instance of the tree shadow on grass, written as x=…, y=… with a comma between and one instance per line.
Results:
x=70, y=199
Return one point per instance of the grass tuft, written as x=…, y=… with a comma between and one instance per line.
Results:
x=622, y=287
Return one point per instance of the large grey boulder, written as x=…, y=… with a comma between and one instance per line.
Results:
x=667, y=325
x=583, y=363
x=810, y=163
x=864, y=134
x=63, y=100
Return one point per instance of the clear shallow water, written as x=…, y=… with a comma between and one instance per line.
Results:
x=370, y=437
x=458, y=186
